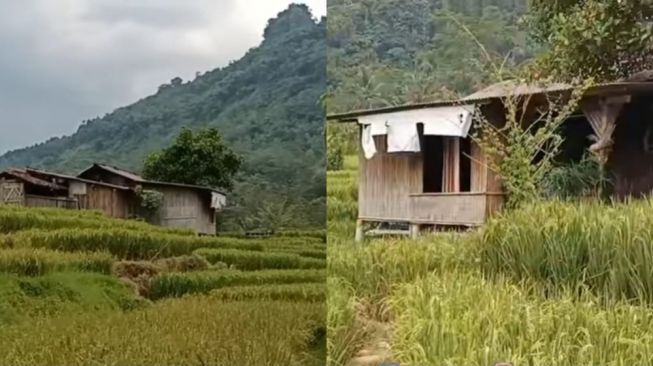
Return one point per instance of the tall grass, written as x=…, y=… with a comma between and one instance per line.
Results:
x=192, y=331
x=253, y=260
x=460, y=319
x=124, y=244
x=179, y=284
x=131, y=244
x=346, y=333
x=375, y=268
x=61, y=293
x=16, y=218
x=312, y=292
x=36, y=262
x=605, y=248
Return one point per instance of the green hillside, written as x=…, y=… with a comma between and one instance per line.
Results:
x=266, y=104
x=387, y=52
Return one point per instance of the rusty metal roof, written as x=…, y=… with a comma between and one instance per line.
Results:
x=22, y=175
x=503, y=90
x=33, y=171
x=139, y=179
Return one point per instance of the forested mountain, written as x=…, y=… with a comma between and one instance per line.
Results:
x=383, y=52
x=266, y=105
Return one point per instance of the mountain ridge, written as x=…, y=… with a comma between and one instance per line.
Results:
x=266, y=104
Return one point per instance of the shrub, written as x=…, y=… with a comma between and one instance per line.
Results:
x=252, y=260
x=178, y=284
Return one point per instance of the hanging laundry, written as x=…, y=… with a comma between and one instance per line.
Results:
x=367, y=142
x=377, y=122
x=403, y=137
x=448, y=121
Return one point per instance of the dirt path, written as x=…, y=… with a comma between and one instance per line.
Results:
x=378, y=350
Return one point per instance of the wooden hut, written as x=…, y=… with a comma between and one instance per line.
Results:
x=418, y=164
x=114, y=200
x=183, y=206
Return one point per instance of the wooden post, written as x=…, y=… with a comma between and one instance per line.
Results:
x=359, y=231
x=414, y=231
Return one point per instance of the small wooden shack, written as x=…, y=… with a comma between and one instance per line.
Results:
x=114, y=191
x=114, y=200
x=183, y=206
x=418, y=164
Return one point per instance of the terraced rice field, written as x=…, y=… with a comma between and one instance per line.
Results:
x=78, y=288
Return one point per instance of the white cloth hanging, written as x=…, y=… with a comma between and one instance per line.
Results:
x=449, y=121
x=367, y=142
x=379, y=128
x=403, y=137
x=439, y=121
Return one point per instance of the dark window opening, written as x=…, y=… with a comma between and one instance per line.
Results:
x=433, y=149
x=465, y=165
x=576, y=132
x=439, y=177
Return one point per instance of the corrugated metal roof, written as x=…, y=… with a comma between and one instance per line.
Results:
x=139, y=179
x=25, y=177
x=122, y=172
x=503, y=90
x=70, y=177
x=513, y=88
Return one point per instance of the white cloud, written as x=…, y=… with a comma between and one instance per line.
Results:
x=69, y=60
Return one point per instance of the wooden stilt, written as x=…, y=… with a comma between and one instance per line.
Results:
x=414, y=231
x=359, y=231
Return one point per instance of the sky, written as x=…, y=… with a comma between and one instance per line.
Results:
x=65, y=61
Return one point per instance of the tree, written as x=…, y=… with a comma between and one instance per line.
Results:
x=602, y=39
x=199, y=158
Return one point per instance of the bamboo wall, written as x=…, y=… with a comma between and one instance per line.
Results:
x=391, y=189
x=185, y=208
x=113, y=202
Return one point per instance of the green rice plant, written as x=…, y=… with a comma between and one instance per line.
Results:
x=346, y=333
x=36, y=262
x=607, y=248
x=312, y=292
x=253, y=260
x=193, y=331
x=179, y=284
x=61, y=293
x=124, y=244
x=310, y=253
x=375, y=268
x=16, y=218
x=458, y=318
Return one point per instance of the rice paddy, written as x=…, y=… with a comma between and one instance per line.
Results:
x=555, y=283
x=79, y=288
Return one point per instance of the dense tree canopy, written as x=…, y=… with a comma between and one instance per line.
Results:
x=199, y=158
x=602, y=39
x=393, y=51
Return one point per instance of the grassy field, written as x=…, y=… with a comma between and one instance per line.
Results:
x=551, y=284
x=78, y=288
